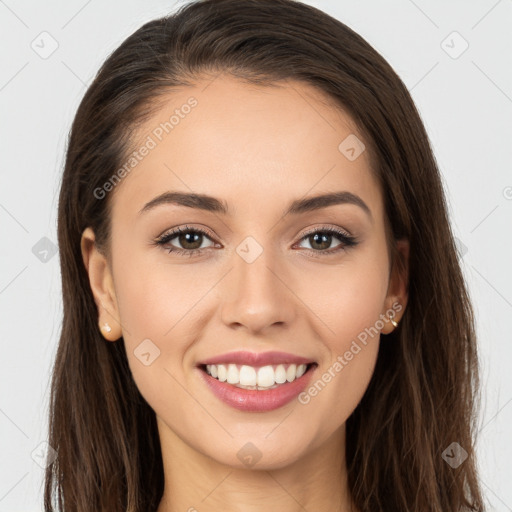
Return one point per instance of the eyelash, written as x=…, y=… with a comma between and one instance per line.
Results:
x=346, y=240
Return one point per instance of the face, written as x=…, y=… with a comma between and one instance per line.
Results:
x=274, y=272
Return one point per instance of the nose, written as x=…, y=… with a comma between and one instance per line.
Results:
x=256, y=294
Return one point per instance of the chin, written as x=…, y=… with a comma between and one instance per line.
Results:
x=256, y=452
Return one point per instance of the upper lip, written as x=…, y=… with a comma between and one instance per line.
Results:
x=256, y=359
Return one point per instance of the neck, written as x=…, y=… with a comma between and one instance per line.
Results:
x=195, y=482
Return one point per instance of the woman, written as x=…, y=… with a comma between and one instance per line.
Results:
x=263, y=305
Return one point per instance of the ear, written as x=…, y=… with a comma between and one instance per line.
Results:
x=397, y=296
x=102, y=286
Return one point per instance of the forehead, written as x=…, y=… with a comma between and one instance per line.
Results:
x=249, y=145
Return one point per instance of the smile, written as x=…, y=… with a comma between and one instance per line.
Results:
x=250, y=377
x=270, y=388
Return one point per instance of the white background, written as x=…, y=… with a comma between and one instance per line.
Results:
x=466, y=105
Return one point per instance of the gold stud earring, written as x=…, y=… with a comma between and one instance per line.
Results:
x=394, y=323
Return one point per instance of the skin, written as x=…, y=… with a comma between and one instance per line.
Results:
x=257, y=148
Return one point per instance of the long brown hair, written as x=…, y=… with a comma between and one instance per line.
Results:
x=423, y=394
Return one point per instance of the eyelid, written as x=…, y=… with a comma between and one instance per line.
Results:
x=347, y=240
x=326, y=227
x=180, y=229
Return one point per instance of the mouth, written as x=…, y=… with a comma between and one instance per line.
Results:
x=267, y=387
x=260, y=378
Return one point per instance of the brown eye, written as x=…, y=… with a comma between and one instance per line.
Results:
x=320, y=240
x=189, y=241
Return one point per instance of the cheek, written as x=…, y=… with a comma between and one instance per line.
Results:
x=155, y=298
x=352, y=343
x=349, y=308
x=347, y=298
x=155, y=303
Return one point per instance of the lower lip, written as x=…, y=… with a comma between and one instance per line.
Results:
x=252, y=400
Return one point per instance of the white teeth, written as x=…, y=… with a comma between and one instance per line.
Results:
x=280, y=374
x=256, y=378
x=266, y=377
x=247, y=376
x=221, y=372
x=233, y=375
x=300, y=370
x=291, y=372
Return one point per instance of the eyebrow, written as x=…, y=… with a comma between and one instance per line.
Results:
x=212, y=204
